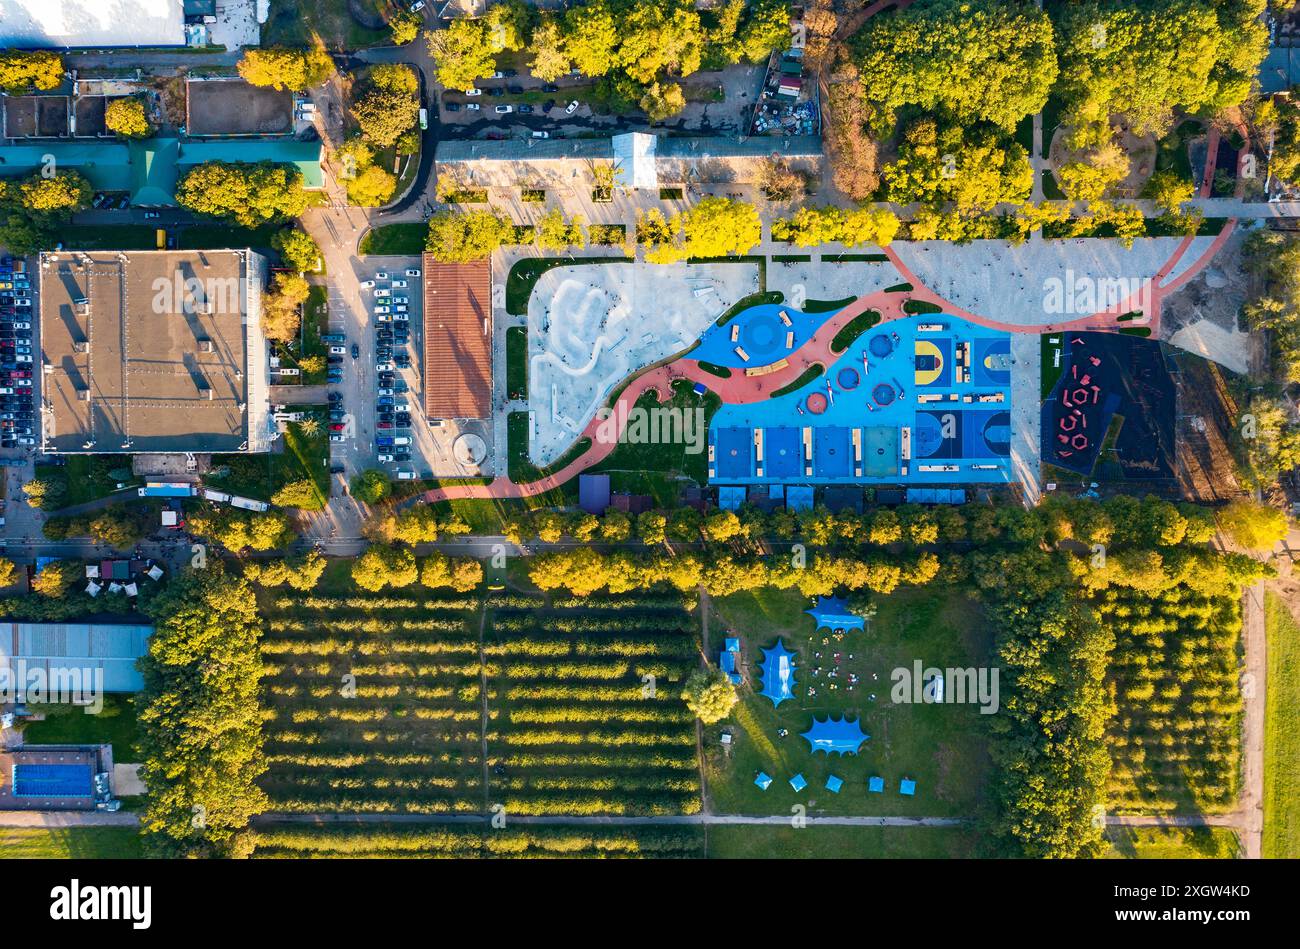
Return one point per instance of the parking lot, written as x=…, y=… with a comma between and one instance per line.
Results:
x=367, y=402
x=19, y=428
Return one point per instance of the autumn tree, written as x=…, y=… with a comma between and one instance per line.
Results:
x=126, y=116
x=390, y=105
x=550, y=55
x=371, y=486
x=281, y=67
x=22, y=72
x=248, y=194
x=709, y=695
x=381, y=566
x=458, y=237
x=282, y=306
x=662, y=101
x=297, y=249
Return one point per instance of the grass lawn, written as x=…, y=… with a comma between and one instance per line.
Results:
x=525, y=274
x=757, y=842
x=405, y=239
x=1281, y=733
x=1171, y=843
x=1052, y=360
x=89, y=477
x=301, y=22
x=114, y=237
x=517, y=362
x=69, y=843
x=678, y=456
x=941, y=747
x=70, y=725
x=222, y=236
x=853, y=329
x=520, y=468
x=260, y=476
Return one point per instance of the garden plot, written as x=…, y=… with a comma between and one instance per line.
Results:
x=1020, y=285
x=586, y=715
x=591, y=327
x=373, y=703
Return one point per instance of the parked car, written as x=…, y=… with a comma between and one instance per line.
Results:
x=515, y=90
x=496, y=92
x=402, y=456
x=413, y=272
x=381, y=275
x=356, y=351
x=399, y=284
x=571, y=108
x=473, y=107
x=451, y=106
x=384, y=459
x=476, y=91
x=383, y=426
x=334, y=360
x=336, y=437
x=383, y=392
x=338, y=351
x=384, y=367
x=337, y=427
x=367, y=284
x=382, y=308
x=504, y=109
x=541, y=134
x=417, y=6
x=525, y=109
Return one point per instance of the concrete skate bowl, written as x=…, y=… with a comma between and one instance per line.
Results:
x=469, y=450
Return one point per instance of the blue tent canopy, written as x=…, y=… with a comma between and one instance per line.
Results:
x=907, y=786
x=732, y=644
x=835, y=736
x=833, y=613
x=764, y=780
x=876, y=784
x=798, y=782
x=833, y=784
x=778, y=673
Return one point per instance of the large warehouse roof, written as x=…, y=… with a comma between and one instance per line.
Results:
x=457, y=339
x=110, y=647
x=94, y=24
x=153, y=351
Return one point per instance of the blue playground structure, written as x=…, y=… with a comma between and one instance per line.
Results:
x=727, y=661
x=835, y=736
x=778, y=673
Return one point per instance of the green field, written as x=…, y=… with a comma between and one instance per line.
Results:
x=88, y=478
x=517, y=362
x=941, y=747
x=404, y=239
x=112, y=237
x=1282, y=733
x=819, y=842
x=70, y=725
x=69, y=843
x=650, y=467
x=1171, y=843
x=303, y=457
x=302, y=22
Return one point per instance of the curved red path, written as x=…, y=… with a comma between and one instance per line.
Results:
x=739, y=388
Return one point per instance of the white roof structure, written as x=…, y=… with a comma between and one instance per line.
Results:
x=634, y=160
x=94, y=24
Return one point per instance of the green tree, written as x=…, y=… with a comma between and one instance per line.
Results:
x=458, y=236
x=8, y=572
x=371, y=486
x=372, y=187
x=551, y=58
x=118, y=528
x=462, y=53
x=662, y=101
x=201, y=741
x=767, y=27
x=296, y=248
x=592, y=34
x=380, y=566
x=1252, y=525
x=390, y=106
x=248, y=194
x=58, y=195
x=461, y=574
x=54, y=580
x=302, y=494
x=283, y=68
x=45, y=493
x=557, y=234
x=126, y=116
x=405, y=27
x=709, y=695
x=973, y=59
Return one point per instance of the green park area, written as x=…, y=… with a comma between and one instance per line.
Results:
x=69, y=843
x=942, y=747
x=1282, y=733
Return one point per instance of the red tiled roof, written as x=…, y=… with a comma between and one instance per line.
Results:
x=457, y=339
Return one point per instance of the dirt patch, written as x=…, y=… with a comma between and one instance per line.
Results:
x=1140, y=149
x=235, y=107
x=89, y=112
x=1207, y=413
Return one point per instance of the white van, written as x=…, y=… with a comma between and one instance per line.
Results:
x=401, y=440
x=405, y=474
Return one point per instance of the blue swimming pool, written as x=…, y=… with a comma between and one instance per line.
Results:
x=53, y=780
x=925, y=400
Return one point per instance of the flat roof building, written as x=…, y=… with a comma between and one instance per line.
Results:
x=638, y=159
x=91, y=24
x=457, y=339
x=153, y=351
x=109, y=650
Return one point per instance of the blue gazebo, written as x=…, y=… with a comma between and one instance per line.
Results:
x=907, y=786
x=764, y=780
x=833, y=613
x=833, y=784
x=837, y=736
x=798, y=783
x=778, y=673
x=876, y=784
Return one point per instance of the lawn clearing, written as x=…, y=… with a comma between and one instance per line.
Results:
x=69, y=843
x=304, y=457
x=88, y=478
x=941, y=747
x=819, y=842
x=1281, y=732
x=304, y=22
x=70, y=725
x=680, y=456
x=1171, y=843
x=517, y=362
x=401, y=239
